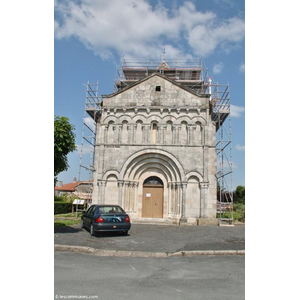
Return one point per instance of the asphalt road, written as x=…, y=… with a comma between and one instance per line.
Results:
x=155, y=238
x=189, y=278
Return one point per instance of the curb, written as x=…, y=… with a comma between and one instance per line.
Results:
x=117, y=253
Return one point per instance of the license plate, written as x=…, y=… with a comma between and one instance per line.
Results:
x=114, y=220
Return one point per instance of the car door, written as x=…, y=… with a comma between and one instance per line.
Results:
x=87, y=216
x=90, y=215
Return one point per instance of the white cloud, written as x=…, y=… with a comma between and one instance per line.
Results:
x=242, y=68
x=205, y=38
x=225, y=3
x=236, y=111
x=239, y=147
x=90, y=123
x=217, y=69
x=135, y=28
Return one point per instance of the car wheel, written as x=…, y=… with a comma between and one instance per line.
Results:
x=92, y=232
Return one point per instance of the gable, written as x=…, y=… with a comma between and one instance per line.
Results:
x=155, y=90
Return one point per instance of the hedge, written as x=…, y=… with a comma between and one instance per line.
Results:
x=58, y=198
x=62, y=207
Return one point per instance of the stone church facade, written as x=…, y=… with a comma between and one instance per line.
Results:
x=155, y=152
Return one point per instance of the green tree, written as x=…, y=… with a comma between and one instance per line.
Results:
x=64, y=143
x=240, y=194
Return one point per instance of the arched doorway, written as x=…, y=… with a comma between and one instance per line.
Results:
x=153, y=191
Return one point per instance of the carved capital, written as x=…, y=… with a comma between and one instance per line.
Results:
x=204, y=185
x=120, y=183
x=184, y=185
x=135, y=184
x=101, y=183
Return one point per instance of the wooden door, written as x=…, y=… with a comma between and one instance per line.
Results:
x=152, y=201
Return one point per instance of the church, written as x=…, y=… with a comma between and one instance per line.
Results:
x=155, y=149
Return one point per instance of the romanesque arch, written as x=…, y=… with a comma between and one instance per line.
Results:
x=144, y=164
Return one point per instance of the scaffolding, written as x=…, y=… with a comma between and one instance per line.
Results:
x=187, y=72
x=191, y=74
x=91, y=113
x=220, y=103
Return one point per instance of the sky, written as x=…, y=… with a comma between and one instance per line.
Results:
x=92, y=36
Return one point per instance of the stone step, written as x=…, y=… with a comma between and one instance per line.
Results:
x=154, y=221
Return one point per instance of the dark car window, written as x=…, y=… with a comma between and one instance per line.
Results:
x=91, y=210
x=88, y=211
x=111, y=210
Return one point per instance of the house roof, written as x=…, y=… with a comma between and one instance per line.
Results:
x=152, y=75
x=68, y=186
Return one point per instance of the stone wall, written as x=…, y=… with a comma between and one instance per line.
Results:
x=168, y=133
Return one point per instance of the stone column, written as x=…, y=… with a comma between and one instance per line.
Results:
x=129, y=134
x=101, y=194
x=148, y=134
x=129, y=197
x=159, y=134
x=105, y=133
x=126, y=198
x=143, y=133
x=174, y=134
x=133, y=134
x=203, y=198
x=115, y=134
x=193, y=128
x=179, y=199
x=188, y=128
x=169, y=198
x=178, y=134
x=120, y=186
x=174, y=200
x=120, y=131
x=205, y=163
x=134, y=197
x=183, y=217
x=206, y=137
x=164, y=134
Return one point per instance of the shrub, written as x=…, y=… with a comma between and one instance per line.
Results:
x=242, y=218
x=238, y=206
x=62, y=207
x=239, y=194
x=58, y=198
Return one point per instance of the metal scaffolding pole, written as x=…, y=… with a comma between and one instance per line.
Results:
x=88, y=140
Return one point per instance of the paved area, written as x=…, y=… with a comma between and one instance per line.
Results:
x=156, y=238
x=174, y=278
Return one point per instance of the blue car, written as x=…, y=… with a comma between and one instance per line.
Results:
x=100, y=218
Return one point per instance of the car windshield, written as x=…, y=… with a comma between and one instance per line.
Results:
x=111, y=210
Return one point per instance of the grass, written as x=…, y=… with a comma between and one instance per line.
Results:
x=69, y=215
x=238, y=213
x=70, y=219
x=71, y=222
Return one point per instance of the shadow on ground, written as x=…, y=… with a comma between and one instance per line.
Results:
x=65, y=229
x=107, y=234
